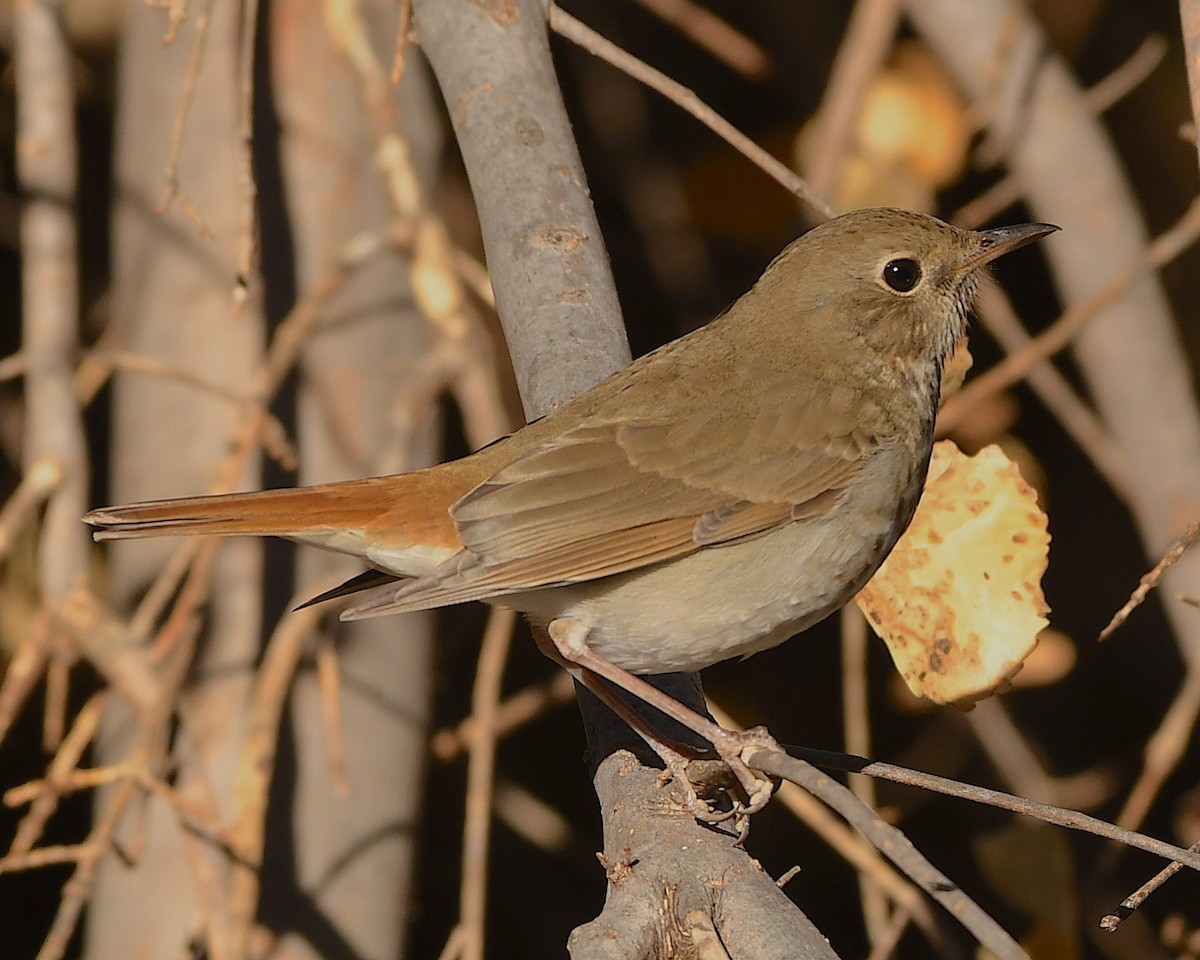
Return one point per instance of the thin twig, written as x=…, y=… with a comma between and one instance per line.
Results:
x=512, y=714
x=887, y=942
x=865, y=47
x=329, y=681
x=481, y=768
x=1052, y=388
x=709, y=32
x=856, y=723
x=13, y=366
x=892, y=844
x=1150, y=580
x=1161, y=251
x=256, y=765
x=40, y=480
x=172, y=191
x=1072, y=819
x=46, y=857
x=25, y=669
x=1110, y=922
x=247, y=244
x=1130, y=75
x=453, y=948
x=403, y=22
x=578, y=32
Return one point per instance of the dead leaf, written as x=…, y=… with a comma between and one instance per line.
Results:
x=959, y=601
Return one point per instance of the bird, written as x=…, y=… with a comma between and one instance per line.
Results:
x=712, y=499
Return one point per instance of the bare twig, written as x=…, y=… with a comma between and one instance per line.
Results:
x=39, y=482
x=578, y=32
x=256, y=766
x=480, y=780
x=403, y=22
x=856, y=723
x=329, y=680
x=1165, y=248
x=1071, y=819
x=172, y=191
x=1053, y=389
x=894, y=845
x=247, y=242
x=1150, y=580
x=868, y=40
x=13, y=366
x=511, y=714
x=705, y=29
x=1099, y=98
x=46, y=857
x=24, y=671
x=1125, y=910
x=1126, y=78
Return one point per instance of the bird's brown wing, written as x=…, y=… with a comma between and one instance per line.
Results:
x=610, y=496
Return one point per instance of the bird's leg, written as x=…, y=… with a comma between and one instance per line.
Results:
x=670, y=752
x=570, y=642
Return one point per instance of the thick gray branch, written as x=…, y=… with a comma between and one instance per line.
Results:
x=561, y=318
x=554, y=289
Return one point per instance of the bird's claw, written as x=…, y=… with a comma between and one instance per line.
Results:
x=755, y=790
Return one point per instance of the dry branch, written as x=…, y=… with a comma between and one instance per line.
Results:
x=578, y=32
x=46, y=170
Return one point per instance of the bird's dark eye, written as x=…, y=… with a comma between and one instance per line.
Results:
x=902, y=274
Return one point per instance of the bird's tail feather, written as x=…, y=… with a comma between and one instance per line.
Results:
x=282, y=513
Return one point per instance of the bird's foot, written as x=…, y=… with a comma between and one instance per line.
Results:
x=570, y=643
x=713, y=791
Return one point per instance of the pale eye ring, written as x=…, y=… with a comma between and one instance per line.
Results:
x=902, y=274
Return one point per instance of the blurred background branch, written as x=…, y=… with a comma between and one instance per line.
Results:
x=243, y=253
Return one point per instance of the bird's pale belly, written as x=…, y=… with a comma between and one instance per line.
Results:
x=727, y=601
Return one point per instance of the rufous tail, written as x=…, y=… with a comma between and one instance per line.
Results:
x=286, y=512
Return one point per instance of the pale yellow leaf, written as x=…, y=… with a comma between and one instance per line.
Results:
x=959, y=601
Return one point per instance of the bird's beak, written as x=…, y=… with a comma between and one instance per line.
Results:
x=1002, y=240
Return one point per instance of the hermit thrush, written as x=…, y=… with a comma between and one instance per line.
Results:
x=710, y=500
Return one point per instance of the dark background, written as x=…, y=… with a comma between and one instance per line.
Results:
x=1098, y=716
